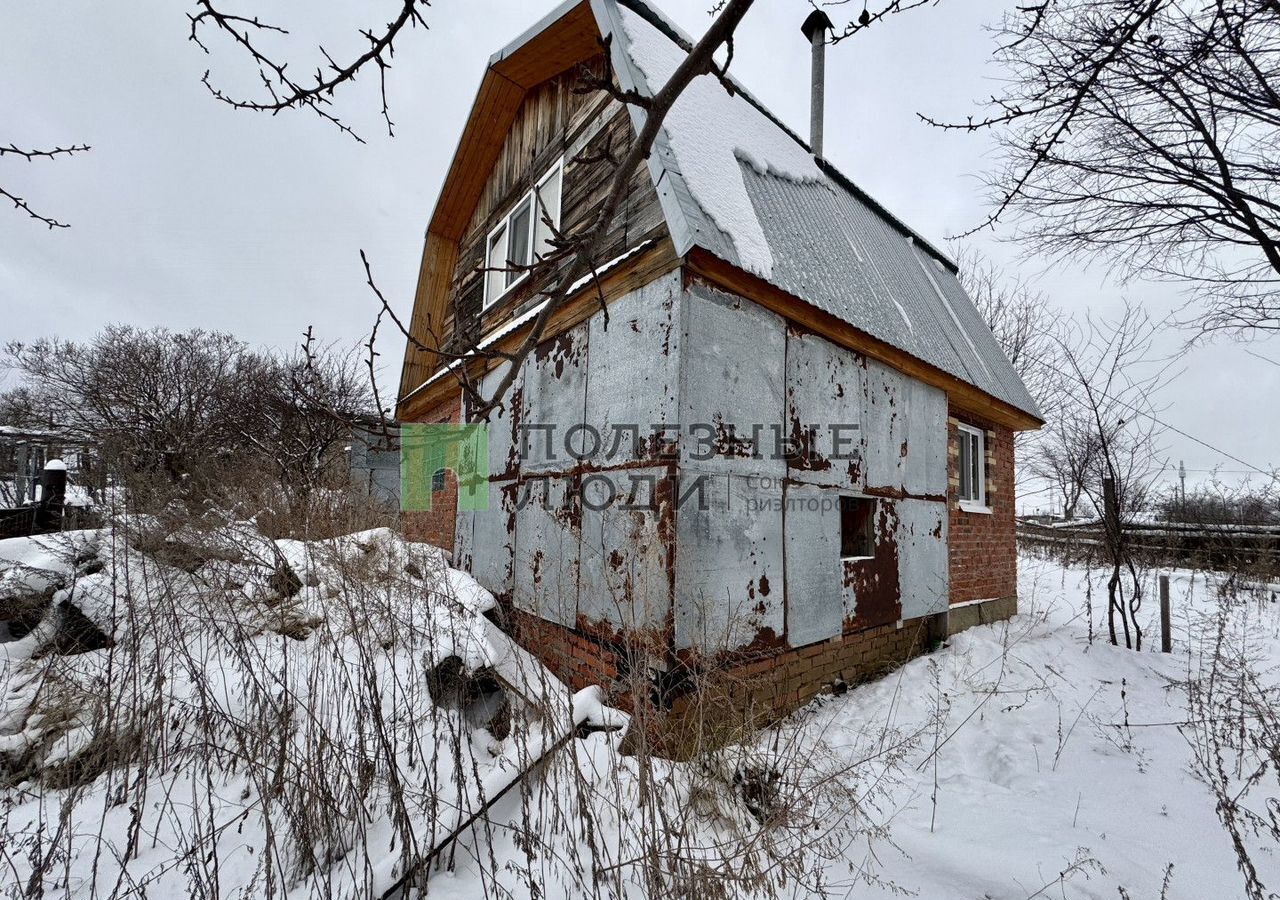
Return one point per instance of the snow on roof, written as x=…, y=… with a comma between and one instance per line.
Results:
x=709, y=132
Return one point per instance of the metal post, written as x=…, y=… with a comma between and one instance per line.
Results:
x=1166, y=633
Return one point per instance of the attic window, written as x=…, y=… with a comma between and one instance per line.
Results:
x=857, y=528
x=523, y=235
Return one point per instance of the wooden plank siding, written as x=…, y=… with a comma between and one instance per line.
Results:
x=553, y=121
x=655, y=261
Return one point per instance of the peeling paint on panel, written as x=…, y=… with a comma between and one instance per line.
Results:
x=729, y=557
x=824, y=389
x=492, y=543
x=555, y=392
x=634, y=372
x=886, y=410
x=624, y=563
x=545, y=565
x=732, y=373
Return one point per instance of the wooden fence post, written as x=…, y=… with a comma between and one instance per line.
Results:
x=1166, y=636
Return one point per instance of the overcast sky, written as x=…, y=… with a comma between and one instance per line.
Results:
x=187, y=213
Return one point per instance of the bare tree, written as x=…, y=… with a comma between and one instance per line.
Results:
x=1113, y=377
x=309, y=404
x=1149, y=133
x=161, y=400
x=1066, y=456
x=199, y=409
x=280, y=89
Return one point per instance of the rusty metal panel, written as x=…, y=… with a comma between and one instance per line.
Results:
x=729, y=566
x=811, y=534
x=824, y=390
x=490, y=538
x=926, y=461
x=884, y=425
x=923, y=575
x=503, y=460
x=732, y=375
x=869, y=586
x=545, y=564
x=626, y=550
x=554, y=394
x=634, y=371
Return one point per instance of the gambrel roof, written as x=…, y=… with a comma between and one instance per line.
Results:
x=736, y=183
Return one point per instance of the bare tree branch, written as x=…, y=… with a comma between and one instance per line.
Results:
x=1148, y=134
x=284, y=92
x=31, y=155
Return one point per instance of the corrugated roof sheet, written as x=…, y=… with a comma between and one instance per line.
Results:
x=833, y=250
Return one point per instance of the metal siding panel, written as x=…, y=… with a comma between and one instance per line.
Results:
x=554, y=393
x=545, y=566
x=825, y=388
x=491, y=540
x=634, y=365
x=926, y=462
x=923, y=575
x=625, y=563
x=815, y=610
x=731, y=378
x=729, y=589
x=885, y=414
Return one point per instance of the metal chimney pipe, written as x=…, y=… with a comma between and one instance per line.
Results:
x=815, y=30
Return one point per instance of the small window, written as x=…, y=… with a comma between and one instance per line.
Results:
x=857, y=528
x=523, y=235
x=437, y=481
x=546, y=206
x=973, y=466
x=518, y=243
x=495, y=280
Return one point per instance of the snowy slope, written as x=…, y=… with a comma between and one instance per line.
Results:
x=1021, y=760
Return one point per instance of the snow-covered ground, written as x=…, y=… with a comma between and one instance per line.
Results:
x=1057, y=755
x=249, y=735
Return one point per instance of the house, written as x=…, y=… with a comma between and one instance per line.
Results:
x=785, y=444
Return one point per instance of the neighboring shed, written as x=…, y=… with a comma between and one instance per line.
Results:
x=788, y=447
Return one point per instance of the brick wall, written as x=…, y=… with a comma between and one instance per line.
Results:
x=437, y=525
x=746, y=691
x=982, y=547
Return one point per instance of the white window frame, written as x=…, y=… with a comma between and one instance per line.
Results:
x=556, y=171
x=977, y=503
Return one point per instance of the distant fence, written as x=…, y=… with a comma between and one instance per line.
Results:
x=1253, y=548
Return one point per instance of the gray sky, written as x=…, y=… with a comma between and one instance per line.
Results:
x=187, y=213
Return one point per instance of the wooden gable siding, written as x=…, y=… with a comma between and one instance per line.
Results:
x=553, y=121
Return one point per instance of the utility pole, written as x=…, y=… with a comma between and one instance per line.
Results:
x=1182, y=478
